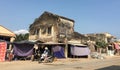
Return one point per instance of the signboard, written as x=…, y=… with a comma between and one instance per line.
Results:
x=3, y=46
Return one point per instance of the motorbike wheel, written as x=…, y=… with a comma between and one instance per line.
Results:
x=39, y=61
x=51, y=60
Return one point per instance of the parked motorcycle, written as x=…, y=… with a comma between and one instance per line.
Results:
x=48, y=59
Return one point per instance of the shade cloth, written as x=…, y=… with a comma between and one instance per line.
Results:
x=79, y=51
x=116, y=46
x=23, y=49
x=58, y=51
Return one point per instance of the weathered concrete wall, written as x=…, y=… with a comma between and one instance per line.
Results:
x=49, y=27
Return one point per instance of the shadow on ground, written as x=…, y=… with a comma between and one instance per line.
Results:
x=114, y=67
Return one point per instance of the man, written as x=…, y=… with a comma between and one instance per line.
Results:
x=45, y=53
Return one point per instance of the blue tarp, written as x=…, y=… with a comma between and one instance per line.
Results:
x=58, y=51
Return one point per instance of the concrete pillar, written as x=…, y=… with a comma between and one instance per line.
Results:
x=66, y=48
x=11, y=40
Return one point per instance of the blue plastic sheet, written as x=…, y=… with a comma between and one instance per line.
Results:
x=58, y=51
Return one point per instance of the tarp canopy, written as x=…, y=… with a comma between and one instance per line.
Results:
x=58, y=51
x=116, y=45
x=52, y=43
x=79, y=50
x=24, y=42
x=23, y=49
x=78, y=44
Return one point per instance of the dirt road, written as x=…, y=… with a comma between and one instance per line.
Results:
x=112, y=63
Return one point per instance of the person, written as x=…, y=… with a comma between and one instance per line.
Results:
x=10, y=56
x=110, y=50
x=35, y=53
x=45, y=53
x=117, y=48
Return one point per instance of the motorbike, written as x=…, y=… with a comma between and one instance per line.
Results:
x=47, y=59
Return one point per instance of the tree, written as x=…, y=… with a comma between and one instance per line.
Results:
x=100, y=44
x=21, y=37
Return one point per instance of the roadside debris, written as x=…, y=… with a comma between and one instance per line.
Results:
x=97, y=55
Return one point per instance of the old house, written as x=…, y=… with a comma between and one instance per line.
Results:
x=95, y=37
x=51, y=27
x=107, y=37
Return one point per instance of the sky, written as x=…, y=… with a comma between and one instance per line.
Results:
x=90, y=16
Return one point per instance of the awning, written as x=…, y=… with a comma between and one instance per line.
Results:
x=52, y=43
x=24, y=42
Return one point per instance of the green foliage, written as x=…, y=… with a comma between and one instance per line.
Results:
x=21, y=37
x=101, y=44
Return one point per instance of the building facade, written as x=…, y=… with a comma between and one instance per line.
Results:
x=107, y=37
x=51, y=27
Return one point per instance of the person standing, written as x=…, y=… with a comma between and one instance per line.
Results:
x=110, y=50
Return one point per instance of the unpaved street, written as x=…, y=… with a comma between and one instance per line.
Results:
x=112, y=63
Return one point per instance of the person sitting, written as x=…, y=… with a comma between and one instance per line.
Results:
x=45, y=53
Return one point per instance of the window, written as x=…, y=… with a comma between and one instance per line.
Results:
x=46, y=31
x=49, y=30
x=43, y=30
x=37, y=31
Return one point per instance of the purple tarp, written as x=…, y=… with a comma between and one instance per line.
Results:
x=23, y=49
x=79, y=51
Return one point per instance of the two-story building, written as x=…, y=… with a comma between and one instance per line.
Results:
x=51, y=27
x=107, y=37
